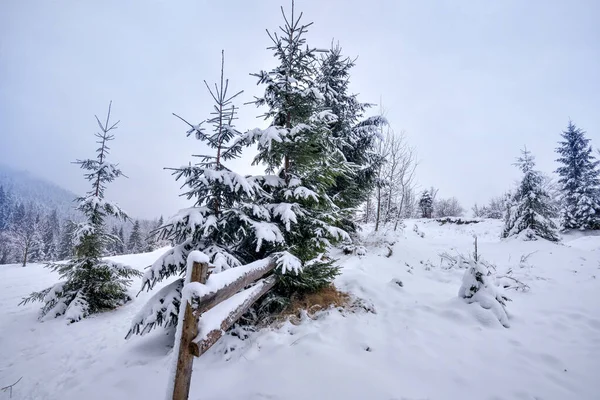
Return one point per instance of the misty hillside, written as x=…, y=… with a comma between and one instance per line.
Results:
x=25, y=187
x=36, y=216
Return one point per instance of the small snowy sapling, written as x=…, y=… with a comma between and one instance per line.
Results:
x=478, y=285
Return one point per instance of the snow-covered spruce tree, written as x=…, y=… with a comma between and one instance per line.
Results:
x=111, y=249
x=65, y=245
x=50, y=233
x=426, y=204
x=90, y=284
x=355, y=136
x=227, y=221
x=135, y=244
x=529, y=210
x=579, y=181
x=37, y=249
x=299, y=148
x=6, y=206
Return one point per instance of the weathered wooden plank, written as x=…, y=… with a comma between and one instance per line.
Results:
x=206, y=302
x=185, y=358
x=213, y=336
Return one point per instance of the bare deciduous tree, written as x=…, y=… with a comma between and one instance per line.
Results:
x=448, y=208
x=396, y=179
x=24, y=232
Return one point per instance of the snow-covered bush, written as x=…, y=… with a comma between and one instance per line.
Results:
x=494, y=209
x=478, y=286
x=352, y=248
x=447, y=208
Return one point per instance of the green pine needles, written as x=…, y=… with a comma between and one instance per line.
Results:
x=317, y=152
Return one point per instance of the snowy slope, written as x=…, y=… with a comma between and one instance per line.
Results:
x=422, y=342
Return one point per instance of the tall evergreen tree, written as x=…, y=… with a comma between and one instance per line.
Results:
x=90, y=284
x=426, y=204
x=529, y=211
x=121, y=246
x=151, y=241
x=37, y=251
x=136, y=242
x=5, y=208
x=579, y=181
x=116, y=245
x=298, y=146
x=227, y=220
x=65, y=244
x=354, y=136
x=50, y=234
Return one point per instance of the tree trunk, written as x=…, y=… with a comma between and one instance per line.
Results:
x=399, y=215
x=378, y=208
x=25, y=253
x=389, y=204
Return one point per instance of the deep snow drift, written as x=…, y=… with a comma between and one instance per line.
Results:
x=420, y=342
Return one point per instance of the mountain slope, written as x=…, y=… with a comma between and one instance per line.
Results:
x=26, y=187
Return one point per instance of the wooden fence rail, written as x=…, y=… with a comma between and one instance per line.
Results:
x=190, y=344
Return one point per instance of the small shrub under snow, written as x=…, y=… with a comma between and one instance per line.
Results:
x=478, y=286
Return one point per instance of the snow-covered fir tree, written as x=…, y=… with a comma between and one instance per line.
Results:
x=120, y=245
x=228, y=220
x=5, y=208
x=299, y=149
x=65, y=244
x=89, y=283
x=111, y=248
x=135, y=244
x=37, y=251
x=155, y=242
x=353, y=135
x=426, y=204
x=50, y=234
x=529, y=210
x=579, y=181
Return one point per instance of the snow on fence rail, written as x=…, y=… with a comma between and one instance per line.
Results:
x=208, y=308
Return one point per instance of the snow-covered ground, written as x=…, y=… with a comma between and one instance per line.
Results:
x=421, y=341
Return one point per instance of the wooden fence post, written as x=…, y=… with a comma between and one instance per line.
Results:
x=185, y=358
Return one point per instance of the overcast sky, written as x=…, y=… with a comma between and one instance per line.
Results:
x=470, y=82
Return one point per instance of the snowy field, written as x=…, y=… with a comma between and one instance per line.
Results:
x=421, y=341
